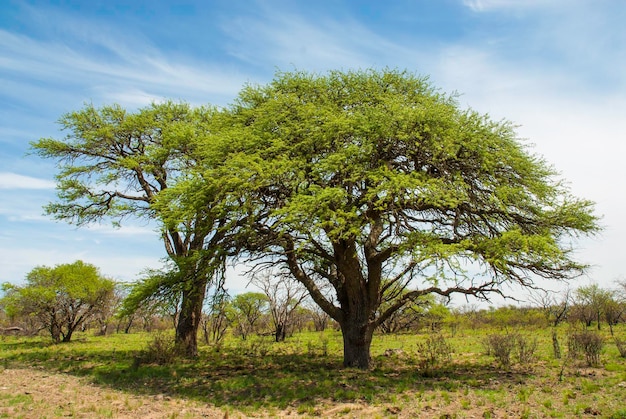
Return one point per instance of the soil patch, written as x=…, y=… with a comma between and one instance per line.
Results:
x=33, y=394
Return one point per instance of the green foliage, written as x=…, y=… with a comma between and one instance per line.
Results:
x=157, y=291
x=114, y=164
x=435, y=352
x=61, y=298
x=377, y=186
x=248, y=311
x=372, y=188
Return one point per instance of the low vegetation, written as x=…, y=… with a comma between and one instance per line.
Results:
x=441, y=374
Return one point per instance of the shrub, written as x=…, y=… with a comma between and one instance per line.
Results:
x=525, y=349
x=161, y=350
x=589, y=343
x=500, y=347
x=434, y=351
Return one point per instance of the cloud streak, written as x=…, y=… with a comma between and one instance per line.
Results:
x=15, y=181
x=144, y=72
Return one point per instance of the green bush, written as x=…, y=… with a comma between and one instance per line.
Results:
x=589, y=344
x=434, y=351
x=161, y=350
x=500, y=347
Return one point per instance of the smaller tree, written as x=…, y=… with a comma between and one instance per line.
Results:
x=555, y=307
x=284, y=296
x=215, y=319
x=320, y=318
x=613, y=310
x=60, y=298
x=107, y=314
x=590, y=304
x=248, y=309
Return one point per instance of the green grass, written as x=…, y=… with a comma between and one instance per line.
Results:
x=305, y=372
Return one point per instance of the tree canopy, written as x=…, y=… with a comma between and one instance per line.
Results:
x=114, y=165
x=379, y=186
x=371, y=188
x=61, y=298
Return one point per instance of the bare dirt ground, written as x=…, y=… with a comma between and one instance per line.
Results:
x=38, y=394
x=28, y=393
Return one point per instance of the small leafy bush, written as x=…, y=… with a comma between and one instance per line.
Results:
x=588, y=343
x=504, y=347
x=500, y=347
x=161, y=350
x=525, y=349
x=435, y=351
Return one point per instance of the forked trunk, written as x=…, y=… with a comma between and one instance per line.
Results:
x=357, y=339
x=189, y=319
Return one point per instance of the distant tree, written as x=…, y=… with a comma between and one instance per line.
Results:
x=248, y=309
x=215, y=319
x=380, y=186
x=407, y=318
x=590, y=303
x=108, y=314
x=62, y=298
x=614, y=310
x=554, y=307
x=284, y=296
x=319, y=317
x=436, y=315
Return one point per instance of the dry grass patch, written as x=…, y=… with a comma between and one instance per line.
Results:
x=29, y=393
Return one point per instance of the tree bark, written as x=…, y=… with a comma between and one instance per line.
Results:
x=55, y=332
x=281, y=332
x=357, y=339
x=190, y=317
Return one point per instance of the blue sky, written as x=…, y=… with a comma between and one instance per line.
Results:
x=557, y=68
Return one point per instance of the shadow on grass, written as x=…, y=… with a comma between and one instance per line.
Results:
x=234, y=378
x=26, y=344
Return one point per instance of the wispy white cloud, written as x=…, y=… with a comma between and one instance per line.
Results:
x=15, y=181
x=489, y=5
x=120, y=73
x=288, y=40
x=124, y=230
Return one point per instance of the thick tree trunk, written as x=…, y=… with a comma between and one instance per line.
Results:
x=189, y=318
x=357, y=339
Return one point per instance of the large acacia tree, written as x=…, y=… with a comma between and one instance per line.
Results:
x=379, y=186
x=114, y=164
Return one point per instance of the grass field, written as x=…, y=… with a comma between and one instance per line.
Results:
x=303, y=377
